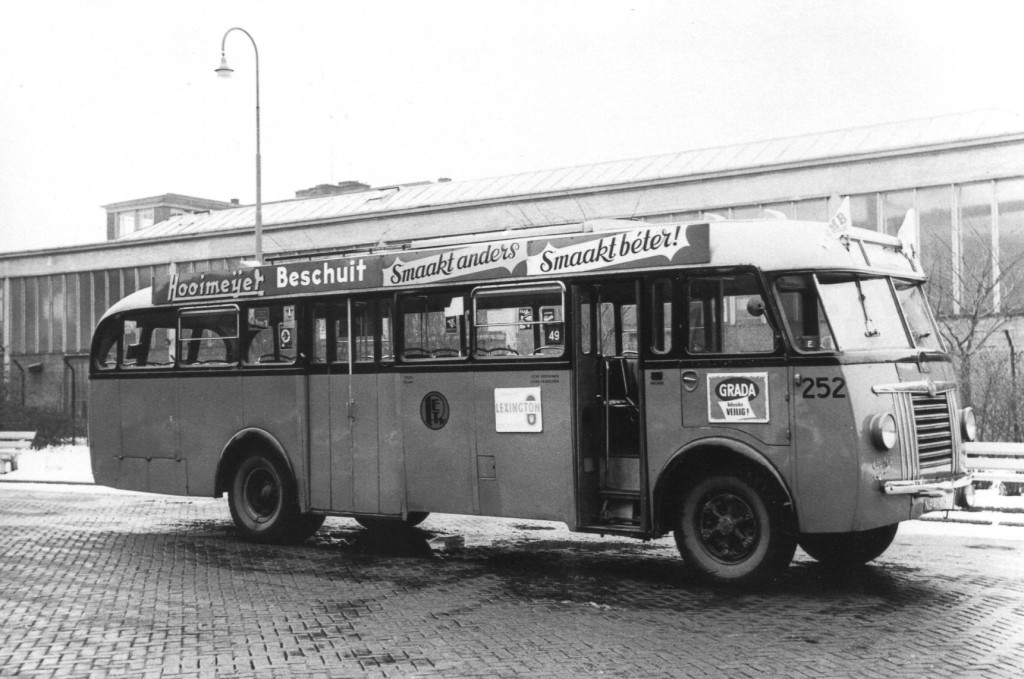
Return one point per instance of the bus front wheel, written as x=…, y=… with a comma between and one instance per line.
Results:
x=735, y=529
x=263, y=502
x=848, y=549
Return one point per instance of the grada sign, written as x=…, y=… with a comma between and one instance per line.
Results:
x=738, y=397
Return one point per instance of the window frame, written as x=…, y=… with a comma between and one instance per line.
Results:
x=536, y=324
x=400, y=330
x=770, y=317
x=211, y=310
x=245, y=343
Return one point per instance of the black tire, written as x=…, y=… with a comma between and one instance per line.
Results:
x=391, y=522
x=308, y=524
x=263, y=501
x=735, y=529
x=848, y=549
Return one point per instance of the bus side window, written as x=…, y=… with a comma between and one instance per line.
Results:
x=727, y=316
x=109, y=346
x=270, y=335
x=661, y=316
x=519, y=321
x=208, y=337
x=319, y=334
x=149, y=340
x=433, y=326
x=364, y=330
x=586, y=324
x=387, y=345
x=803, y=313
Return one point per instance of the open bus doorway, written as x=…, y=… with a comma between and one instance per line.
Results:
x=611, y=478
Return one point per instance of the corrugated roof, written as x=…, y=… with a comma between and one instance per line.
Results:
x=878, y=139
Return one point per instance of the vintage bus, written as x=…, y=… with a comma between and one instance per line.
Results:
x=747, y=386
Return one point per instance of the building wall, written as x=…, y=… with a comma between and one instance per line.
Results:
x=969, y=202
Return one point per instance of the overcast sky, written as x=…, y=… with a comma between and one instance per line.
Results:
x=106, y=101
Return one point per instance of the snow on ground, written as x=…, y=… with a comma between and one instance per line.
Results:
x=57, y=464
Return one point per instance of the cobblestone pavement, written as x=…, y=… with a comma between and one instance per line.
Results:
x=96, y=584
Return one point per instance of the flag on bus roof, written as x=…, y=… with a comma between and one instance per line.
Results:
x=908, y=235
x=840, y=222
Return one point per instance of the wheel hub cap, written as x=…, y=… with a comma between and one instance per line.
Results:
x=727, y=527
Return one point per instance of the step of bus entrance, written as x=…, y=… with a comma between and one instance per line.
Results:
x=620, y=510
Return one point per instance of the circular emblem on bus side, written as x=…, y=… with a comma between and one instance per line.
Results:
x=434, y=410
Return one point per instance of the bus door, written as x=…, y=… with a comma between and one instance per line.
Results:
x=734, y=377
x=345, y=449
x=611, y=472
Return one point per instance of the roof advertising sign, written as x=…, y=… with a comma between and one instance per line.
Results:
x=501, y=259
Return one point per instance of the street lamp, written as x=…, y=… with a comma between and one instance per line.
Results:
x=225, y=72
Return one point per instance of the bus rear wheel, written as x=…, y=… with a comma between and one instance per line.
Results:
x=388, y=522
x=848, y=549
x=735, y=529
x=263, y=502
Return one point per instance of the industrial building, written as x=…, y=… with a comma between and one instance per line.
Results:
x=962, y=174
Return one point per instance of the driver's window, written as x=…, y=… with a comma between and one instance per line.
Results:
x=727, y=315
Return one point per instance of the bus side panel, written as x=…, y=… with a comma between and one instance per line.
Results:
x=342, y=475
x=678, y=414
x=526, y=474
x=149, y=417
x=105, y=431
x=826, y=444
x=389, y=432
x=320, y=441
x=365, y=469
x=211, y=413
x=438, y=427
x=277, y=404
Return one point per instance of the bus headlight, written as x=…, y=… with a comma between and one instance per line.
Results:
x=968, y=424
x=883, y=431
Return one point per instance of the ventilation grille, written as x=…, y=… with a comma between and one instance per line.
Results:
x=934, y=432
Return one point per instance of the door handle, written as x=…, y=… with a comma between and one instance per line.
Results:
x=690, y=380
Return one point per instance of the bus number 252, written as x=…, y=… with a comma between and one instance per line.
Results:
x=823, y=387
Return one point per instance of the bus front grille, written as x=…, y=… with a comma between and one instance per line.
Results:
x=932, y=425
x=926, y=428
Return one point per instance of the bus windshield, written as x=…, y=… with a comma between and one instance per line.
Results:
x=851, y=312
x=862, y=312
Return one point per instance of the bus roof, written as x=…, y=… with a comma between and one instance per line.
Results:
x=591, y=248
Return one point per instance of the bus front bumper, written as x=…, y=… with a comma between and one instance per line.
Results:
x=941, y=492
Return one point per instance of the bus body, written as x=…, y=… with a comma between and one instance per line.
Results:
x=743, y=385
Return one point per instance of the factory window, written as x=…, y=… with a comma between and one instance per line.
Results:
x=935, y=220
x=976, y=253
x=864, y=211
x=1010, y=196
x=894, y=209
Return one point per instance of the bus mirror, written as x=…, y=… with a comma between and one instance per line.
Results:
x=755, y=306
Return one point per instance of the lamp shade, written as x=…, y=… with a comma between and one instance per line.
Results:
x=224, y=71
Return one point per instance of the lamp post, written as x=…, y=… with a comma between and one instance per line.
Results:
x=225, y=72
